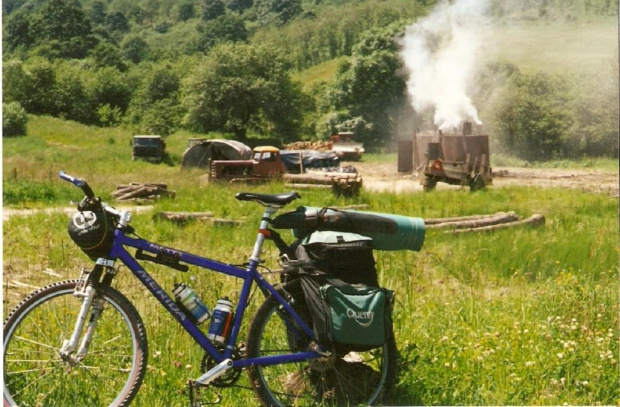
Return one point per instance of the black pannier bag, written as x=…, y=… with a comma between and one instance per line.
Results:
x=343, y=303
x=343, y=256
x=93, y=232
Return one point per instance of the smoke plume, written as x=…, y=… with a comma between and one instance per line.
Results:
x=440, y=53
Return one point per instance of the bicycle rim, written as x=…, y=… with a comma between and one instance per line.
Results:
x=34, y=372
x=355, y=378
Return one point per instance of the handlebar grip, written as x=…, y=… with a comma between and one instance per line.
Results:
x=78, y=182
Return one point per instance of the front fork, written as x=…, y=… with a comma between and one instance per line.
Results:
x=87, y=288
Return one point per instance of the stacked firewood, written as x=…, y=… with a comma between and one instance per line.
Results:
x=309, y=145
x=141, y=192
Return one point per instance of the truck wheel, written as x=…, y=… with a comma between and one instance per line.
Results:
x=429, y=184
x=476, y=183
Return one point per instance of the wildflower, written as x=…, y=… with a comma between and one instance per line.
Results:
x=585, y=383
x=444, y=339
x=530, y=363
x=560, y=355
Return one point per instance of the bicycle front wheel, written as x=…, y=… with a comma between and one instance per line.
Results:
x=35, y=374
x=354, y=378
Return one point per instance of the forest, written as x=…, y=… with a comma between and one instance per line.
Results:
x=245, y=69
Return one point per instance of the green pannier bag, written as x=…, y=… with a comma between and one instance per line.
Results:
x=360, y=315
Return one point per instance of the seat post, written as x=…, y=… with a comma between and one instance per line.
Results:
x=262, y=231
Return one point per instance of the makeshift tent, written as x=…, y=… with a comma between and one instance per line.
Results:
x=201, y=153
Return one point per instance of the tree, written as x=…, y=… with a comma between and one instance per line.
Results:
x=534, y=116
x=109, y=87
x=107, y=54
x=277, y=12
x=97, y=12
x=213, y=9
x=240, y=5
x=226, y=28
x=64, y=21
x=368, y=85
x=14, y=120
x=240, y=88
x=134, y=48
x=117, y=23
x=186, y=10
x=18, y=30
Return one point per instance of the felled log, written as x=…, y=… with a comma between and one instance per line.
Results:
x=474, y=222
x=434, y=221
x=184, y=217
x=533, y=220
x=324, y=178
x=137, y=191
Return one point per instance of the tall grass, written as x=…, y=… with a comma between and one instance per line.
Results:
x=524, y=316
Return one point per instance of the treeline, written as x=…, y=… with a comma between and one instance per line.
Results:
x=156, y=66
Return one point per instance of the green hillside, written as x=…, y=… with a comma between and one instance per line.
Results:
x=290, y=70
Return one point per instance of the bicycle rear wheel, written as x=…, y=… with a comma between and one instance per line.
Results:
x=34, y=372
x=355, y=378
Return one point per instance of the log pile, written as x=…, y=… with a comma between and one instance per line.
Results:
x=185, y=217
x=481, y=223
x=142, y=193
x=341, y=183
x=309, y=145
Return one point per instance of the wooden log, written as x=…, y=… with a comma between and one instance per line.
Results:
x=132, y=194
x=533, y=220
x=476, y=223
x=434, y=221
x=182, y=216
x=307, y=186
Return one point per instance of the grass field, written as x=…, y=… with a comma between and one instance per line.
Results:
x=580, y=48
x=523, y=316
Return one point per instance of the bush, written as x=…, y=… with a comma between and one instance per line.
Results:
x=14, y=120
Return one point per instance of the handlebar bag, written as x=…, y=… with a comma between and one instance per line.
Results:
x=93, y=232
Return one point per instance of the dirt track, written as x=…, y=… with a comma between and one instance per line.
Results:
x=385, y=177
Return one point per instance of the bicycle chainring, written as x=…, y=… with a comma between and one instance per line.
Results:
x=229, y=378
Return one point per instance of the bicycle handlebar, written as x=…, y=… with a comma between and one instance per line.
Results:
x=78, y=182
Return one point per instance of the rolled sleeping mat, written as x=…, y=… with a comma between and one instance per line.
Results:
x=388, y=232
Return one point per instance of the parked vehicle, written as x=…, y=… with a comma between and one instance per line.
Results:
x=148, y=148
x=347, y=149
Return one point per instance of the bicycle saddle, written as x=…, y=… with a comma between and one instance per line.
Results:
x=269, y=199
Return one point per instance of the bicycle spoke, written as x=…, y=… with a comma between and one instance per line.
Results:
x=39, y=344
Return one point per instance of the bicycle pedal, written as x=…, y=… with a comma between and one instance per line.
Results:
x=196, y=394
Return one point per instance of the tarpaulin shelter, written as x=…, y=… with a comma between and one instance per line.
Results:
x=202, y=153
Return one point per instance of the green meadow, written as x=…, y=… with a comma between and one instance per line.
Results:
x=522, y=316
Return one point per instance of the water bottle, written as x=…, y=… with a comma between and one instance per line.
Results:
x=221, y=321
x=189, y=301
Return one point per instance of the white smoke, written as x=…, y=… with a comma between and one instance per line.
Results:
x=440, y=53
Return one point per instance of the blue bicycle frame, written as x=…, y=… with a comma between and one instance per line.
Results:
x=249, y=276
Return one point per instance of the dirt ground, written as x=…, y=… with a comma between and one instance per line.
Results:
x=385, y=177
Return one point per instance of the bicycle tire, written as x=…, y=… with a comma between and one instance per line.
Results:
x=357, y=378
x=34, y=372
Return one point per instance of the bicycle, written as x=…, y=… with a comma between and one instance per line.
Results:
x=84, y=341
